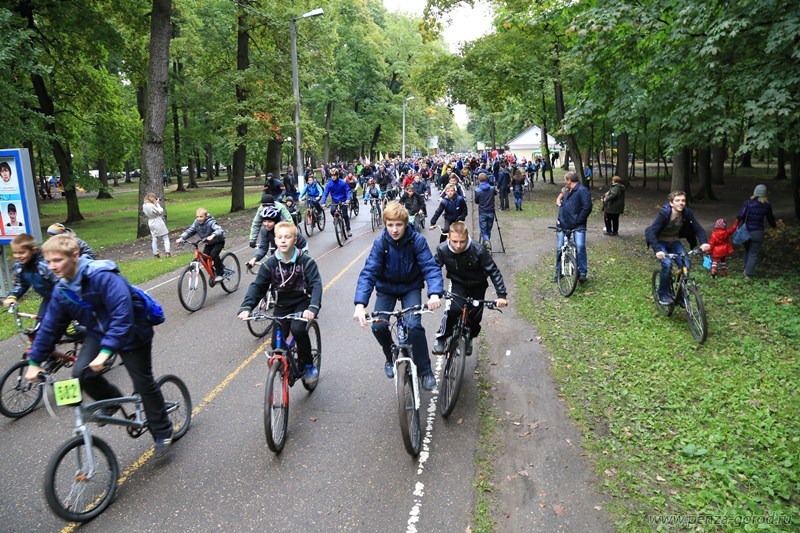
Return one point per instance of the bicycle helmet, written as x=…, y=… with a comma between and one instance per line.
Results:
x=270, y=213
x=371, y=181
x=58, y=229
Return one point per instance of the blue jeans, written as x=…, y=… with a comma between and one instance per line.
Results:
x=518, y=198
x=675, y=247
x=485, y=222
x=752, y=249
x=580, y=243
x=416, y=333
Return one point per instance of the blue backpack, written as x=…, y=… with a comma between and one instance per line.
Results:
x=144, y=305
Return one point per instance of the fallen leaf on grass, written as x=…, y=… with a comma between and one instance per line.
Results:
x=661, y=479
x=568, y=441
x=610, y=472
x=516, y=423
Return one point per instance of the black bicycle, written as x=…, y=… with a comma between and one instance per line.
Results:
x=314, y=217
x=338, y=222
x=684, y=293
x=354, y=204
x=567, y=271
x=259, y=325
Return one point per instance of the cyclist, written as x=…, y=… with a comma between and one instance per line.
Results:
x=30, y=270
x=267, y=200
x=273, y=186
x=206, y=227
x=312, y=192
x=453, y=180
x=298, y=286
x=60, y=229
x=468, y=269
x=399, y=264
x=453, y=208
x=96, y=295
x=421, y=187
x=413, y=202
x=574, y=206
x=270, y=216
x=340, y=193
x=673, y=222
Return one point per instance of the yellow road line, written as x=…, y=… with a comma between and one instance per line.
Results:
x=211, y=395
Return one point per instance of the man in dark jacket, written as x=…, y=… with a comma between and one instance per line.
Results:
x=574, y=206
x=503, y=185
x=674, y=221
x=399, y=264
x=273, y=186
x=468, y=268
x=96, y=295
x=484, y=197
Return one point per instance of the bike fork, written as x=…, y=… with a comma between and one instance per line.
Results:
x=414, y=378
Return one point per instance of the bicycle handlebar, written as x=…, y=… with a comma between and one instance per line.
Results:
x=377, y=316
x=294, y=316
x=488, y=304
x=696, y=251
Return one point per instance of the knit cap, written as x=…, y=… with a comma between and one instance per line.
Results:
x=720, y=224
x=760, y=190
x=267, y=199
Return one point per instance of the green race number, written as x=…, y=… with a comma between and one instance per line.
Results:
x=67, y=392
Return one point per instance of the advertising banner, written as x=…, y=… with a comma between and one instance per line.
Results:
x=18, y=211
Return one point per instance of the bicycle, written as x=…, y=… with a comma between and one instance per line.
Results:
x=375, y=214
x=260, y=326
x=418, y=221
x=192, y=288
x=81, y=478
x=338, y=222
x=567, y=257
x=458, y=345
x=683, y=291
x=406, y=380
x=284, y=371
x=18, y=396
x=314, y=217
x=354, y=207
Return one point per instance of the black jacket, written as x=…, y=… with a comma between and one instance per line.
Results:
x=472, y=267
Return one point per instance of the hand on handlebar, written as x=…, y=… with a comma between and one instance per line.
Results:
x=434, y=302
x=660, y=255
x=501, y=302
x=243, y=315
x=360, y=315
x=32, y=373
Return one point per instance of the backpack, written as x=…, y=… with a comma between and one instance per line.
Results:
x=147, y=308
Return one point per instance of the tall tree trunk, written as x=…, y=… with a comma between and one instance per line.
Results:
x=622, y=158
x=240, y=154
x=681, y=170
x=644, y=152
x=659, y=157
x=572, y=141
x=273, y=165
x=328, y=117
x=197, y=165
x=375, y=136
x=545, y=142
x=176, y=129
x=717, y=164
x=128, y=171
x=781, y=173
x=155, y=108
x=493, y=133
x=746, y=161
x=190, y=165
x=704, y=173
x=102, y=175
x=209, y=162
x=633, y=157
x=794, y=168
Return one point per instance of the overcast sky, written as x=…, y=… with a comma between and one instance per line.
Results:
x=464, y=24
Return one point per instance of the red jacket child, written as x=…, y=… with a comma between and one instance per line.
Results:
x=720, y=240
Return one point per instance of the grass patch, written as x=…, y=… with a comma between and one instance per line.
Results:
x=488, y=442
x=674, y=427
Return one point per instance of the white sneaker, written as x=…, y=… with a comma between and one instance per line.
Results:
x=218, y=279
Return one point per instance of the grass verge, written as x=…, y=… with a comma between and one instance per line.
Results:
x=673, y=427
x=482, y=520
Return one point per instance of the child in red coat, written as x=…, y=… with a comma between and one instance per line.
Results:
x=721, y=246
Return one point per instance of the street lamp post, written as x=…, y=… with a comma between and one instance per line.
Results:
x=296, y=86
x=405, y=103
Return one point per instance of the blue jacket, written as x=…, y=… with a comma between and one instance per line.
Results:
x=313, y=191
x=36, y=274
x=575, y=208
x=105, y=309
x=455, y=209
x=692, y=231
x=484, y=197
x=397, y=267
x=338, y=189
x=755, y=211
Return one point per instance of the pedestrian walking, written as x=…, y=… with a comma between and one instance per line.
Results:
x=613, y=206
x=752, y=214
x=154, y=212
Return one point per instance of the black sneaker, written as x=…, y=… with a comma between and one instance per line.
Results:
x=440, y=346
x=389, y=369
x=162, y=447
x=469, y=348
x=582, y=279
x=428, y=381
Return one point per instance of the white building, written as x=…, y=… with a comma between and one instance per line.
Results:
x=529, y=142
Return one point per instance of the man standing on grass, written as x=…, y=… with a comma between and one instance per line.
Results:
x=574, y=207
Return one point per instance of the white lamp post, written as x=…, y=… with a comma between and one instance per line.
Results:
x=405, y=103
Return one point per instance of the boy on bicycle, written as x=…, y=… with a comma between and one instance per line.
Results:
x=414, y=203
x=208, y=230
x=469, y=267
x=267, y=200
x=270, y=216
x=340, y=194
x=674, y=221
x=30, y=270
x=397, y=268
x=312, y=192
x=96, y=295
x=298, y=286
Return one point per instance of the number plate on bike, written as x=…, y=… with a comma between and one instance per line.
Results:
x=67, y=392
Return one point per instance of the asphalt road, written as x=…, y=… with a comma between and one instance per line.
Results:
x=343, y=468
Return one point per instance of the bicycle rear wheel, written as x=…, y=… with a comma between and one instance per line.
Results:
x=407, y=408
x=321, y=219
x=696, y=314
x=233, y=272
x=262, y=326
x=276, y=407
x=18, y=396
x=452, y=375
x=178, y=402
x=76, y=488
x=316, y=355
x=374, y=219
x=568, y=279
x=192, y=288
x=354, y=207
x=338, y=227
x=665, y=310
x=308, y=221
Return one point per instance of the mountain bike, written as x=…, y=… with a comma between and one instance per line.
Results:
x=354, y=204
x=192, y=288
x=284, y=371
x=18, y=396
x=82, y=475
x=458, y=345
x=683, y=291
x=338, y=222
x=567, y=257
x=406, y=380
x=258, y=324
x=314, y=217
x=375, y=213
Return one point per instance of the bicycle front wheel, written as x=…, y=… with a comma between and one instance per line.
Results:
x=316, y=355
x=321, y=219
x=308, y=222
x=81, y=483
x=276, y=407
x=568, y=279
x=178, y=403
x=354, y=207
x=18, y=396
x=452, y=376
x=374, y=219
x=261, y=326
x=665, y=310
x=233, y=272
x=338, y=227
x=407, y=408
x=192, y=288
x=696, y=314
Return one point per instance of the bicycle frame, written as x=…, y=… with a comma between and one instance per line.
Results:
x=396, y=360
x=203, y=259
